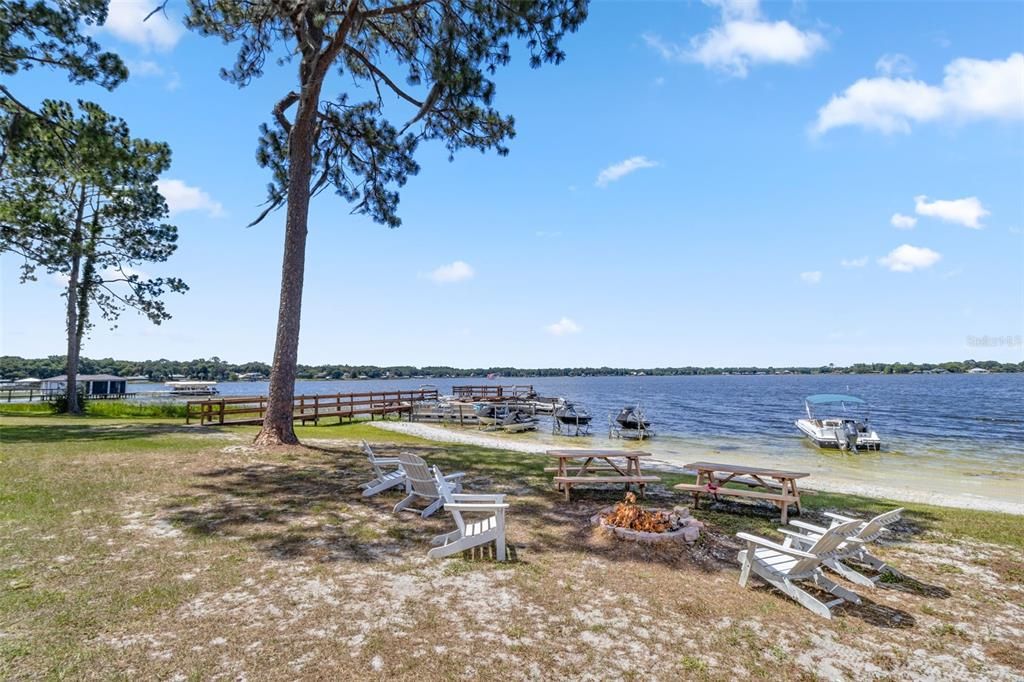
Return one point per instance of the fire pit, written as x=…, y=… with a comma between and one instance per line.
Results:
x=629, y=521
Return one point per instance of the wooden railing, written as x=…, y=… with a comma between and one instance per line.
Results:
x=306, y=408
x=490, y=392
x=48, y=394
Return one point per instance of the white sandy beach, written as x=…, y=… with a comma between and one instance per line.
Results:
x=821, y=479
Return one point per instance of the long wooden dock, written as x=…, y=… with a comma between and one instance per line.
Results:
x=307, y=408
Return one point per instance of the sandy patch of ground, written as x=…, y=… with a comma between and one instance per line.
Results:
x=233, y=564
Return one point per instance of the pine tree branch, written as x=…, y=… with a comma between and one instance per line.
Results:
x=383, y=76
x=394, y=9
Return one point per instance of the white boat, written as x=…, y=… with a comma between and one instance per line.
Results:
x=842, y=429
x=192, y=387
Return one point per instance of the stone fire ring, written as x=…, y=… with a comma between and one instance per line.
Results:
x=685, y=533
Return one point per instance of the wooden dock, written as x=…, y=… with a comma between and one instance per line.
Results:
x=307, y=408
x=491, y=392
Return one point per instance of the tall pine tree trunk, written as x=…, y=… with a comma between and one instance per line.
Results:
x=278, y=422
x=74, y=328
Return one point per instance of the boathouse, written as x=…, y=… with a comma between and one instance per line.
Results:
x=92, y=384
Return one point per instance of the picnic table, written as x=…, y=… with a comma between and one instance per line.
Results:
x=598, y=466
x=776, y=486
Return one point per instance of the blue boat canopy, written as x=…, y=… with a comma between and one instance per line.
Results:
x=827, y=398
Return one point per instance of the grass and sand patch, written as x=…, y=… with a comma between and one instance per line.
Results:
x=142, y=548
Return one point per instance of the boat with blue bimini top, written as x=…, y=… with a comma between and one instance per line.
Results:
x=846, y=428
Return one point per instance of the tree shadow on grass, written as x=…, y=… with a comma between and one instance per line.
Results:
x=64, y=433
x=289, y=510
x=311, y=506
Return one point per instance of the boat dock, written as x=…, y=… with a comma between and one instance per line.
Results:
x=308, y=408
x=491, y=392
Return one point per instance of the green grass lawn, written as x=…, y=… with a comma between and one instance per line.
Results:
x=144, y=548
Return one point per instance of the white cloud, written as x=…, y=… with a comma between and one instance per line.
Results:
x=145, y=68
x=903, y=222
x=456, y=271
x=181, y=197
x=895, y=64
x=125, y=21
x=971, y=89
x=619, y=170
x=743, y=39
x=854, y=262
x=907, y=258
x=150, y=69
x=967, y=211
x=812, y=277
x=564, y=326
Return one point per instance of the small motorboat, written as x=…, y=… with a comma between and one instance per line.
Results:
x=494, y=416
x=632, y=423
x=518, y=421
x=489, y=414
x=841, y=430
x=571, y=419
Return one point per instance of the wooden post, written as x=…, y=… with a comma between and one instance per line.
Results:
x=222, y=410
x=316, y=409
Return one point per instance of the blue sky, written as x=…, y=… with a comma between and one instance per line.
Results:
x=698, y=184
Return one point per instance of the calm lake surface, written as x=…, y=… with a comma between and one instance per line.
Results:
x=943, y=435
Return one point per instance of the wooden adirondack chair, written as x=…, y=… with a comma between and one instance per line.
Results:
x=783, y=566
x=470, y=533
x=419, y=483
x=383, y=479
x=854, y=551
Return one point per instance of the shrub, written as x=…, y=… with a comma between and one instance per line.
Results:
x=59, y=404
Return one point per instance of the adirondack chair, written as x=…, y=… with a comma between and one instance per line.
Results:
x=419, y=483
x=783, y=566
x=856, y=551
x=470, y=533
x=383, y=479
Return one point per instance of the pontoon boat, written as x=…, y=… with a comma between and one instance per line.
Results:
x=192, y=387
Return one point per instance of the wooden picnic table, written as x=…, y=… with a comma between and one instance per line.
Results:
x=599, y=466
x=774, y=485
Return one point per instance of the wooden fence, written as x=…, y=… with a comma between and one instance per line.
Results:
x=29, y=395
x=307, y=408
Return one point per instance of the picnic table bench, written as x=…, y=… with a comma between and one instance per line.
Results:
x=602, y=463
x=773, y=485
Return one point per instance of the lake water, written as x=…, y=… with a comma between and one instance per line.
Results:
x=953, y=436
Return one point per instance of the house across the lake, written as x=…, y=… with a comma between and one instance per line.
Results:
x=93, y=385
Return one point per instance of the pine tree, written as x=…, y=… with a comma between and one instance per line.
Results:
x=427, y=65
x=78, y=199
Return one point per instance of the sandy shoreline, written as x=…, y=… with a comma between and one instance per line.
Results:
x=816, y=482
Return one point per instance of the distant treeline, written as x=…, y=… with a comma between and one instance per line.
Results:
x=12, y=367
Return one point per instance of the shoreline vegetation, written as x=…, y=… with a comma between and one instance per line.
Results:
x=15, y=367
x=188, y=553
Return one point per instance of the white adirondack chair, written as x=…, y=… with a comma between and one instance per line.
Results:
x=856, y=551
x=419, y=483
x=783, y=566
x=383, y=479
x=470, y=533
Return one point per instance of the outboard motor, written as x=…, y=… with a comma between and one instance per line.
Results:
x=849, y=433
